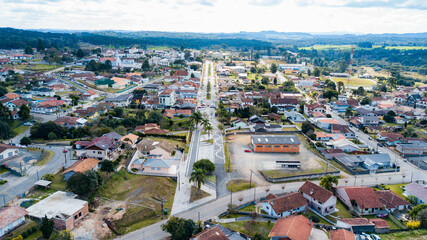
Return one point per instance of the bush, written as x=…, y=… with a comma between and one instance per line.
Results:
x=3, y=182
x=413, y=224
x=24, y=234
x=48, y=177
x=315, y=219
x=34, y=229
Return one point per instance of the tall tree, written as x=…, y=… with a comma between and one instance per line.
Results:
x=196, y=117
x=145, y=65
x=328, y=182
x=25, y=141
x=46, y=227
x=273, y=68
x=180, y=228
x=80, y=54
x=198, y=176
x=29, y=50
x=40, y=45
x=24, y=112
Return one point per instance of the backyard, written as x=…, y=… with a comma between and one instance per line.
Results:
x=251, y=227
x=356, y=82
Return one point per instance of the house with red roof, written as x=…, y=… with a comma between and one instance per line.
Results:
x=342, y=234
x=11, y=218
x=356, y=225
x=318, y=198
x=8, y=151
x=90, y=95
x=309, y=109
x=291, y=228
x=284, y=205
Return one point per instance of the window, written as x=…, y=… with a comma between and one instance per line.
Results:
x=260, y=146
x=158, y=168
x=268, y=146
x=1, y=156
x=318, y=208
x=93, y=151
x=80, y=214
x=99, y=152
x=75, y=217
x=276, y=146
x=10, y=154
x=153, y=168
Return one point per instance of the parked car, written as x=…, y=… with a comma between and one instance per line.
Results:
x=65, y=150
x=369, y=138
x=28, y=124
x=382, y=215
x=362, y=237
x=375, y=237
x=380, y=144
x=248, y=150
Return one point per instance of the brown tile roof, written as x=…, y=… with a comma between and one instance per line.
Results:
x=342, y=234
x=270, y=196
x=166, y=146
x=9, y=215
x=355, y=221
x=145, y=145
x=320, y=194
x=287, y=202
x=156, y=131
x=211, y=234
x=83, y=165
x=365, y=197
x=314, y=106
x=294, y=227
x=131, y=137
x=390, y=199
x=379, y=223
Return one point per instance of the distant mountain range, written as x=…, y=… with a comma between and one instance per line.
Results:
x=13, y=38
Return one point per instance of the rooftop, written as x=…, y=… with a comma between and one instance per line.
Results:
x=275, y=139
x=59, y=203
x=9, y=215
x=294, y=227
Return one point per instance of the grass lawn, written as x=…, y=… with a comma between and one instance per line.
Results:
x=20, y=129
x=407, y=47
x=309, y=214
x=227, y=166
x=47, y=156
x=396, y=188
x=238, y=185
x=211, y=178
x=174, y=142
x=407, y=235
x=58, y=182
x=355, y=82
x=289, y=129
x=196, y=196
x=38, y=67
x=390, y=223
x=69, y=93
x=27, y=226
x=271, y=61
x=209, y=141
x=343, y=212
x=249, y=208
x=251, y=227
x=141, y=190
x=3, y=170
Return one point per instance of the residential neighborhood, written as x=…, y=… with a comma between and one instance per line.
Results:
x=153, y=142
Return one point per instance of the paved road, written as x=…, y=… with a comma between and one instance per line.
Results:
x=406, y=168
x=212, y=209
x=20, y=185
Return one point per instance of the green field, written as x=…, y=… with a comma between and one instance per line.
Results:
x=325, y=47
x=38, y=67
x=238, y=185
x=407, y=47
x=355, y=82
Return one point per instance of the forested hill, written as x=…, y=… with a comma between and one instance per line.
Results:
x=15, y=38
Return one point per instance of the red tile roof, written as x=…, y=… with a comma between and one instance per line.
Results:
x=365, y=197
x=390, y=199
x=342, y=234
x=9, y=215
x=356, y=221
x=287, y=202
x=379, y=223
x=293, y=227
x=320, y=194
x=83, y=165
x=211, y=234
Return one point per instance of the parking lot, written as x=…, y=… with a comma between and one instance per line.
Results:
x=244, y=162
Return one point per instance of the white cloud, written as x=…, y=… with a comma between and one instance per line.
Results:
x=214, y=15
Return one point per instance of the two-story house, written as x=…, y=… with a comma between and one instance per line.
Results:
x=167, y=97
x=284, y=205
x=318, y=198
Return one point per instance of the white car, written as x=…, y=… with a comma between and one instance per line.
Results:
x=28, y=124
x=375, y=237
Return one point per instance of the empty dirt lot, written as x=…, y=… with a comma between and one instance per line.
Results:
x=243, y=161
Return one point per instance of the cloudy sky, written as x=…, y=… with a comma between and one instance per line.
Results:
x=355, y=16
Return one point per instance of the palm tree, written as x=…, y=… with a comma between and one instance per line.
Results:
x=198, y=176
x=328, y=182
x=205, y=123
x=209, y=129
x=196, y=117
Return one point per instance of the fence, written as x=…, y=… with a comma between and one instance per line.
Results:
x=301, y=177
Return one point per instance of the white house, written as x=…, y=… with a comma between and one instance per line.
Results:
x=11, y=218
x=167, y=97
x=344, y=144
x=285, y=205
x=8, y=151
x=318, y=198
x=120, y=101
x=294, y=116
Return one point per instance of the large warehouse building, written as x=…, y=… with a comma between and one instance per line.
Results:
x=275, y=143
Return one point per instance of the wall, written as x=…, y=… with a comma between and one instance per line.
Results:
x=301, y=177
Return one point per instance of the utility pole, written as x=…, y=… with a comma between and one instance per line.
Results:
x=250, y=180
x=162, y=206
x=4, y=202
x=65, y=158
x=254, y=195
x=38, y=175
x=231, y=198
